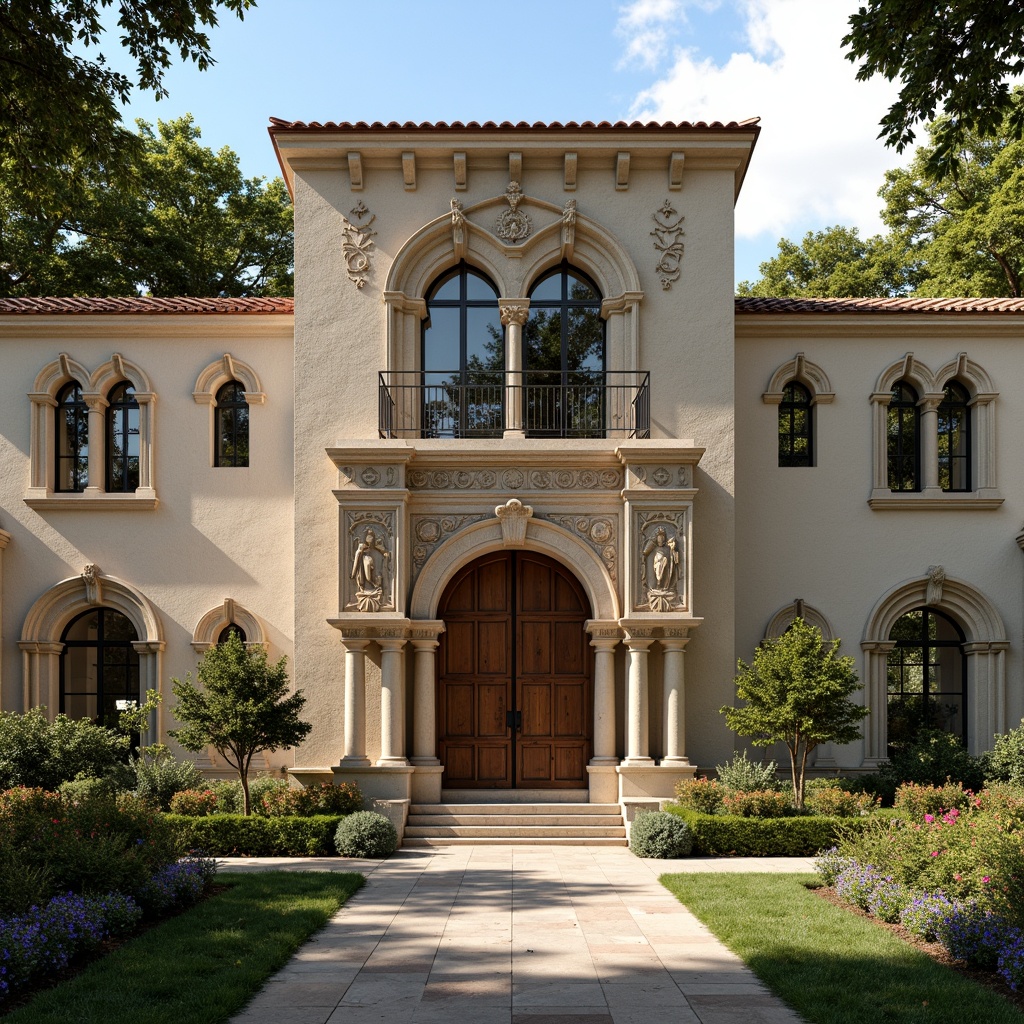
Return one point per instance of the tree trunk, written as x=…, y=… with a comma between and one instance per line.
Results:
x=243, y=776
x=798, y=792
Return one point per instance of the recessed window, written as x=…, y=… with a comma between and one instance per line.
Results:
x=122, y=438
x=226, y=632
x=72, y=439
x=926, y=677
x=955, y=438
x=564, y=357
x=99, y=666
x=903, y=439
x=231, y=426
x=795, y=426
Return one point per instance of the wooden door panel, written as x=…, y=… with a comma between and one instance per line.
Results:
x=567, y=599
x=569, y=718
x=457, y=712
x=492, y=767
x=462, y=597
x=569, y=653
x=493, y=586
x=534, y=581
x=534, y=650
x=492, y=648
x=459, y=649
x=492, y=703
x=534, y=763
x=535, y=705
x=459, y=761
x=569, y=763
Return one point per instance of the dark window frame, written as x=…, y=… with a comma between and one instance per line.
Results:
x=955, y=409
x=75, y=454
x=231, y=627
x=903, y=467
x=229, y=403
x=790, y=436
x=121, y=476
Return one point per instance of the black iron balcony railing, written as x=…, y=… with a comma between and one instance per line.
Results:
x=538, y=403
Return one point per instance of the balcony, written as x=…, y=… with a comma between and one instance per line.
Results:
x=538, y=403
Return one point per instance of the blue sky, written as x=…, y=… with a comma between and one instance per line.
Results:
x=817, y=161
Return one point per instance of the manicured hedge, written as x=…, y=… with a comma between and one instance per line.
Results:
x=726, y=835
x=234, y=835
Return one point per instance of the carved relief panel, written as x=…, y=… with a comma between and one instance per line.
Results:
x=661, y=540
x=368, y=561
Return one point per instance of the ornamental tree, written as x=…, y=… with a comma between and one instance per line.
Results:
x=797, y=692
x=241, y=708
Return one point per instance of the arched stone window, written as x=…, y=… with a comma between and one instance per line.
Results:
x=123, y=440
x=463, y=357
x=228, y=630
x=796, y=426
x=72, y=433
x=564, y=356
x=99, y=666
x=231, y=432
x=955, y=438
x=218, y=623
x=903, y=439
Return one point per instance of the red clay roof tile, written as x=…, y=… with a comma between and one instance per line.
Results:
x=278, y=124
x=139, y=305
x=748, y=304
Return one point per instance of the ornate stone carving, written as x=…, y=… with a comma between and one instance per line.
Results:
x=515, y=479
x=368, y=476
x=659, y=476
x=599, y=532
x=428, y=532
x=569, y=227
x=459, y=229
x=668, y=230
x=93, y=587
x=936, y=578
x=358, y=243
x=513, y=225
x=514, y=312
x=513, y=516
x=661, y=562
x=371, y=536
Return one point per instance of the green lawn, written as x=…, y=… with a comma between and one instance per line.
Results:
x=832, y=966
x=204, y=965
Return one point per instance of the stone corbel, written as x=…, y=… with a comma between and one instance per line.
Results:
x=91, y=581
x=513, y=516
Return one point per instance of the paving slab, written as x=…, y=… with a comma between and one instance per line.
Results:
x=515, y=935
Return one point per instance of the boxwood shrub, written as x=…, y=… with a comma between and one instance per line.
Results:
x=234, y=835
x=725, y=835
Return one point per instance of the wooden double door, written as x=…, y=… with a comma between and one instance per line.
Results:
x=514, y=676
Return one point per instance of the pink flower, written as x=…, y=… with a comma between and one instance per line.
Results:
x=935, y=853
x=986, y=878
x=929, y=818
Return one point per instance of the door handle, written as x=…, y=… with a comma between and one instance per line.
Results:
x=514, y=720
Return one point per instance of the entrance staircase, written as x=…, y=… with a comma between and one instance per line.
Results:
x=517, y=818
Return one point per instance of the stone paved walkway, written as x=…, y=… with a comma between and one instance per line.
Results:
x=516, y=935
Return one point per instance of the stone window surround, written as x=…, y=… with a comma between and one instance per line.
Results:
x=931, y=387
x=41, y=493
x=210, y=626
x=213, y=377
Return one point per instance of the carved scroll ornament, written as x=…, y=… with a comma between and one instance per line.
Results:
x=668, y=230
x=513, y=225
x=358, y=243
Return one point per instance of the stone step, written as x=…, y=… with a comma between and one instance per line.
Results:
x=425, y=841
x=514, y=808
x=519, y=819
x=518, y=831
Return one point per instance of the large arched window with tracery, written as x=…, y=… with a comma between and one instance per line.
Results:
x=926, y=676
x=99, y=666
x=564, y=356
x=463, y=357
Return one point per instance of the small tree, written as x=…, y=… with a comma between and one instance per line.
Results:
x=242, y=708
x=797, y=692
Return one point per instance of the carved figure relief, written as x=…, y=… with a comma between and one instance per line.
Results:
x=668, y=230
x=599, y=532
x=358, y=243
x=513, y=225
x=936, y=579
x=459, y=228
x=569, y=224
x=372, y=568
x=93, y=588
x=661, y=563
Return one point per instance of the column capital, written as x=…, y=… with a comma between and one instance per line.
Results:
x=391, y=643
x=879, y=646
x=422, y=631
x=514, y=311
x=674, y=643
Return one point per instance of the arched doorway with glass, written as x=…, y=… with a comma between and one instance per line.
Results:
x=514, y=675
x=926, y=677
x=99, y=666
x=564, y=356
x=463, y=357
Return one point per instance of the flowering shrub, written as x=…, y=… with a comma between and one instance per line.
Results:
x=194, y=802
x=178, y=885
x=856, y=884
x=914, y=801
x=743, y=775
x=704, y=795
x=319, y=798
x=1011, y=958
x=838, y=803
x=831, y=864
x=758, y=804
x=1004, y=802
x=888, y=900
x=925, y=915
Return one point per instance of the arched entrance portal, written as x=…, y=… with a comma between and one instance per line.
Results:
x=514, y=675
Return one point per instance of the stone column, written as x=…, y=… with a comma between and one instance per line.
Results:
x=876, y=733
x=514, y=313
x=929, y=406
x=355, y=701
x=604, y=698
x=97, y=404
x=424, y=709
x=637, y=712
x=675, y=707
x=392, y=707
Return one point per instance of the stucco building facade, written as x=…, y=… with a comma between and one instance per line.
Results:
x=515, y=479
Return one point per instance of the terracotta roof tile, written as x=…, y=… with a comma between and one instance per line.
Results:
x=277, y=124
x=747, y=304
x=138, y=305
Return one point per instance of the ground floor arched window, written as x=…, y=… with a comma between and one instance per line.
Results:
x=926, y=676
x=99, y=666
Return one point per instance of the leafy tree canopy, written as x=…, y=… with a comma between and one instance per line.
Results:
x=188, y=223
x=241, y=708
x=59, y=94
x=960, y=236
x=797, y=692
x=953, y=56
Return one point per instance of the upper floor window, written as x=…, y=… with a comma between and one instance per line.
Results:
x=72, y=439
x=955, y=438
x=231, y=426
x=796, y=426
x=122, y=438
x=564, y=356
x=903, y=439
x=463, y=357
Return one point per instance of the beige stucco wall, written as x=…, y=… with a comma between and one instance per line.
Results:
x=215, y=533
x=809, y=533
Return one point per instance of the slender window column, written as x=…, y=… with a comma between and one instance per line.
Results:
x=929, y=421
x=675, y=708
x=876, y=734
x=604, y=699
x=355, y=701
x=424, y=712
x=392, y=707
x=514, y=313
x=637, y=712
x=97, y=433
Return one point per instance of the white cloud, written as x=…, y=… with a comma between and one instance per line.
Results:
x=646, y=25
x=817, y=160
